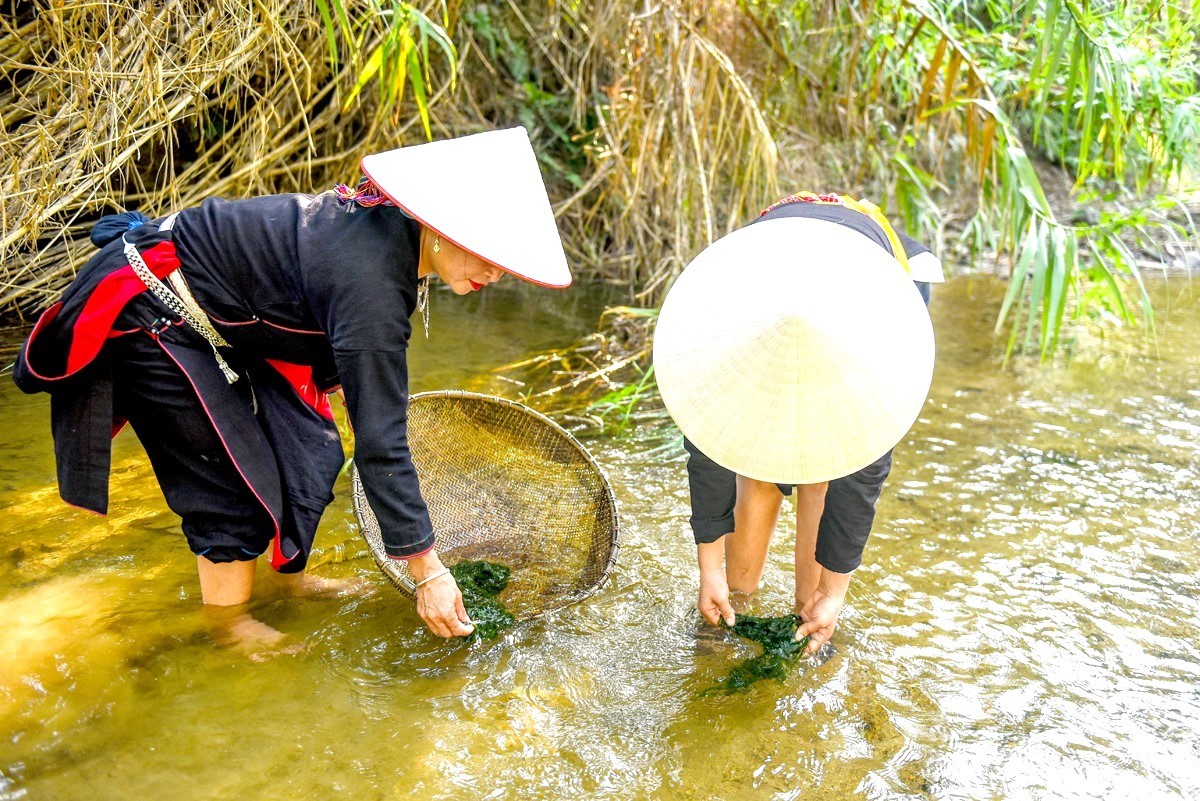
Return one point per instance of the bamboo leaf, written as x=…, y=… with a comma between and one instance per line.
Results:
x=985, y=147
x=374, y=61
x=1028, y=184
x=1100, y=266
x=1047, y=80
x=931, y=75
x=339, y=8
x=1113, y=86
x=1119, y=247
x=1077, y=51
x=1038, y=280
x=431, y=30
x=1064, y=257
x=1089, y=115
x=951, y=76
x=1018, y=277
x=418, y=84
x=330, y=32
x=400, y=75
x=1047, y=41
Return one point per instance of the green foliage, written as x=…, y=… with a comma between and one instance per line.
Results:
x=660, y=126
x=781, y=652
x=911, y=202
x=502, y=46
x=616, y=407
x=544, y=102
x=958, y=94
x=389, y=43
x=621, y=402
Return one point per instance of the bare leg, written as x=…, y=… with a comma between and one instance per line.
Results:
x=225, y=588
x=810, y=505
x=225, y=583
x=754, y=518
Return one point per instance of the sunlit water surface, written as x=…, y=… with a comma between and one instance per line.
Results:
x=1025, y=624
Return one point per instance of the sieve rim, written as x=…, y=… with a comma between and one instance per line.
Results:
x=391, y=568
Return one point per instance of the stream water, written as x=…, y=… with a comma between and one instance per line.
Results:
x=1025, y=624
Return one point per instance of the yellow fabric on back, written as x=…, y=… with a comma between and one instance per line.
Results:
x=862, y=206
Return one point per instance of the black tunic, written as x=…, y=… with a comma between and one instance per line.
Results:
x=312, y=277
x=300, y=282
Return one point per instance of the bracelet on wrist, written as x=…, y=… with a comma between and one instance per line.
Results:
x=445, y=571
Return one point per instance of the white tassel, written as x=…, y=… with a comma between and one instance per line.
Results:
x=230, y=375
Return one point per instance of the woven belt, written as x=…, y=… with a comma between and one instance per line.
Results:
x=181, y=301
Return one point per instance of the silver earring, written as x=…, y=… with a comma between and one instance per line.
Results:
x=437, y=244
x=423, y=301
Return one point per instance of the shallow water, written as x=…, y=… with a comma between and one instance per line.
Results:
x=1024, y=625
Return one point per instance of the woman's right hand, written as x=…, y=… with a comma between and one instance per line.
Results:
x=714, y=597
x=439, y=603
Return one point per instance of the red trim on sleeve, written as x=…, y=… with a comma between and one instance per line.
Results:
x=98, y=315
x=410, y=556
x=47, y=317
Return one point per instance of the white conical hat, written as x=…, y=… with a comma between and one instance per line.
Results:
x=482, y=192
x=794, y=351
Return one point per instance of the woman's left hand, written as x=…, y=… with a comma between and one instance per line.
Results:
x=819, y=618
x=819, y=615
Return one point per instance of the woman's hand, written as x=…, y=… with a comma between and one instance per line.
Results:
x=714, y=598
x=714, y=586
x=819, y=615
x=440, y=605
x=439, y=602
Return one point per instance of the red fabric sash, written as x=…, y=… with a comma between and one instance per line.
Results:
x=300, y=376
x=108, y=299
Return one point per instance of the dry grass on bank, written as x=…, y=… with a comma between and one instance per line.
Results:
x=661, y=126
x=132, y=104
x=152, y=106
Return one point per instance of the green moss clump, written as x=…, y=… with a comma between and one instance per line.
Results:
x=780, y=653
x=480, y=583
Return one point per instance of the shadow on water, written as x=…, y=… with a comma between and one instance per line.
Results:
x=1023, y=625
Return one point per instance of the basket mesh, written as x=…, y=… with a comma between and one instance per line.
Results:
x=506, y=484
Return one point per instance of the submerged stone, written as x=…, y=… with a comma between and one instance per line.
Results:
x=480, y=582
x=781, y=652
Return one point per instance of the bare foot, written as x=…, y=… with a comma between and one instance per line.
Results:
x=303, y=585
x=234, y=627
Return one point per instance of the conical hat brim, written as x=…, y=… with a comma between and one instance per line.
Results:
x=482, y=192
x=794, y=350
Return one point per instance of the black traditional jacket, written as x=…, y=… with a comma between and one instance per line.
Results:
x=319, y=291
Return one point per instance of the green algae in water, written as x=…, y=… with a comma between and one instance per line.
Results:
x=480, y=583
x=781, y=651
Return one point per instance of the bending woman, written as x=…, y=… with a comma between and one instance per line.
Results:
x=795, y=352
x=218, y=333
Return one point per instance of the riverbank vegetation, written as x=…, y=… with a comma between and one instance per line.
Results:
x=1054, y=141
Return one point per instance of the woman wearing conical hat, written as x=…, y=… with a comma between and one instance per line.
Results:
x=219, y=332
x=795, y=352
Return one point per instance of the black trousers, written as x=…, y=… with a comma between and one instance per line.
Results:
x=221, y=518
x=249, y=466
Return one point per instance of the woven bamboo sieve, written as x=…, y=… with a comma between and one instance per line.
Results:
x=506, y=484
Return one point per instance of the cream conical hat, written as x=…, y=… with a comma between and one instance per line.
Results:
x=794, y=351
x=482, y=192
